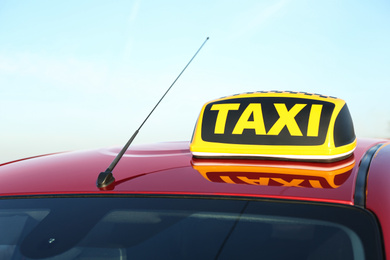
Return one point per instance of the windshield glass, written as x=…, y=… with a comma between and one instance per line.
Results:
x=182, y=228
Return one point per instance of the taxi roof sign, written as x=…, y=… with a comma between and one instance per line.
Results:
x=275, y=124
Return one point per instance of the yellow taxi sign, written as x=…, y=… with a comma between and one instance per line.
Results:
x=275, y=124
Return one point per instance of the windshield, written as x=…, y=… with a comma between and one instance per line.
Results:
x=183, y=228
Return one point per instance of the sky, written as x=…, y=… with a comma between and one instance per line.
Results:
x=84, y=74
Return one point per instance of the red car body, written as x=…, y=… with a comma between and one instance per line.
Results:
x=301, y=188
x=168, y=169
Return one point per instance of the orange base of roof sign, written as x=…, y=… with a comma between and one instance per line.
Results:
x=276, y=124
x=275, y=173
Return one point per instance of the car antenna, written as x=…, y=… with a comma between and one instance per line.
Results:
x=106, y=178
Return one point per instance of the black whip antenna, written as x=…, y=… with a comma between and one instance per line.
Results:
x=106, y=178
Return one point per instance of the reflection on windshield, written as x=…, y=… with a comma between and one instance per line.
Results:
x=163, y=228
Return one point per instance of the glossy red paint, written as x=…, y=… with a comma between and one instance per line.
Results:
x=163, y=168
x=378, y=192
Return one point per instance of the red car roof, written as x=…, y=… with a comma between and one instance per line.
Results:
x=163, y=168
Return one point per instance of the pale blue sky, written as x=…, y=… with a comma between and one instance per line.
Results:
x=84, y=74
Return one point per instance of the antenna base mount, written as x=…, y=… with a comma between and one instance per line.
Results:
x=105, y=178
